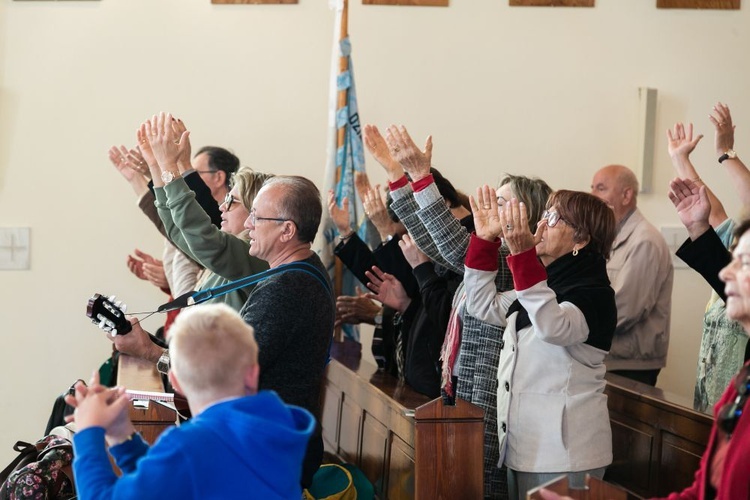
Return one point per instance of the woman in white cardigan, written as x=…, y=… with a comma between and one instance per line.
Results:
x=560, y=318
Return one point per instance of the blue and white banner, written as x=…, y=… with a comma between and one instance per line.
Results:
x=343, y=159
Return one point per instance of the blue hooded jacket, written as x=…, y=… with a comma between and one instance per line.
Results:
x=250, y=447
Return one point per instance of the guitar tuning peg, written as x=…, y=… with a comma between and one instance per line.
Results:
x=102, y=323
x=112, y=298
x=124, y=308
x=118, y=304
x=114, y=331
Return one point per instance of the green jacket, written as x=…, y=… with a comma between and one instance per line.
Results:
x=190, y=229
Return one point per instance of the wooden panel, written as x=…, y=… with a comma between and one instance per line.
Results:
x=453, y=438
x=331, y=417
x=677, y=456
x=698, y=4
x=152, y=421
x=657, y=442
x=551, y=3
x=351, y=430
x=374, y=448
x=254, y=1
x=400, y=470
x=416, y=3
x=631, y=447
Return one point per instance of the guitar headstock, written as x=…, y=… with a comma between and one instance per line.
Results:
x=108, y=314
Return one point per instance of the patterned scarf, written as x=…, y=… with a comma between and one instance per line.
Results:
x=451, y=345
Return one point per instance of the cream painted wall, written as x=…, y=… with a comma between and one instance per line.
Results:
x=550, y=92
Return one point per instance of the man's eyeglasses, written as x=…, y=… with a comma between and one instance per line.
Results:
x=254, y=218
x=206, y=171
x=228, y=201
x=553, y=218
x=730, y=413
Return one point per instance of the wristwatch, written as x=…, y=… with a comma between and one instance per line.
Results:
x=728, y=154
x=163, y=364
x=167, y=176
x=379, y=318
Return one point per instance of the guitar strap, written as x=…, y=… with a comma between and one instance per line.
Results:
x=192, y=298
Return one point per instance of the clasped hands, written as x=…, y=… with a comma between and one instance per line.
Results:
x=99, y=406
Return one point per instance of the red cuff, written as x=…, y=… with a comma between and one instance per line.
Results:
x=482, y=254
x=526, y=269
x=422, y=183
x=403, y=181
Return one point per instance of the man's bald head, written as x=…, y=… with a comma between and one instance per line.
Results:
x=617, y=185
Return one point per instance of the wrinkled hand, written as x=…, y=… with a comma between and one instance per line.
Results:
x=361, y=183
x=721, y=119
x=120, y=162
x=516, y=233
x=692, y=204
x=378, y=148
x=387, y=290
x=376, y=211
x=486, y=214
x=164, y=141
x=680, y=141
x=147, y=267
x=416, y=163
x=147, y=154
x=354, y=310
x=136, y=343
x=183, y=147
x=411, y=251
x=339, y=215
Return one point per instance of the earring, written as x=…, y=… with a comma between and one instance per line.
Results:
x=575, y=251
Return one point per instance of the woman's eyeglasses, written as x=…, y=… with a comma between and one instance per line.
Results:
x=730, y=413
x=553, y=218
x=228, y=201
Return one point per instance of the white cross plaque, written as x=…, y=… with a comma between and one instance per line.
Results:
x=15, y=249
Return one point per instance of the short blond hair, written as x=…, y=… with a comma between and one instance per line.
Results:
x=211, y=347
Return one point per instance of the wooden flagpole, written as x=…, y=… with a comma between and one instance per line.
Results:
x=340, y=139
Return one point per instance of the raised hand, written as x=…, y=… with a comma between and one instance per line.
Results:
x=721, y=119
x=416, y=163
x=354, y=310
x=377, y=212
x=387, y=290
x=411, y=251
x=144, y=146
x=164, y=141
x=516, y=233
x=183, y=146
x=487, y=222
x=680, y=141
x=378, y=148
x=146, y=267
x=693, y=207
x=339, y=215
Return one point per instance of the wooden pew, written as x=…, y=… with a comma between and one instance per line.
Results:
x=406, y=445
x=657, y=438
